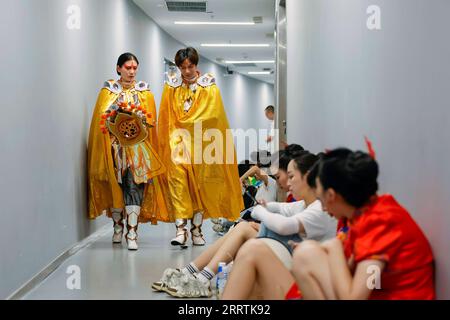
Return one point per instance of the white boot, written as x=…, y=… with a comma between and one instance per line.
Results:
x=132, y=225
x=196, y=231
x=181, y=236
x=117, y=216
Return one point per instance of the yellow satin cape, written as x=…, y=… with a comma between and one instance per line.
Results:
x=104, y=190
x=214, y=188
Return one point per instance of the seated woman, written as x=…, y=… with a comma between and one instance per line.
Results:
x=385, y=254
x=271, y=184
x=278, y=169
x=223, y=250
x=291, y=223
x=256, y=184
x=279, y=163
x=259, y=260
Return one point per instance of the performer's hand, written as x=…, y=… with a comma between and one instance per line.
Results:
x=269, y=139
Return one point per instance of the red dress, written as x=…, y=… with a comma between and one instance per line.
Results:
x=383, y=230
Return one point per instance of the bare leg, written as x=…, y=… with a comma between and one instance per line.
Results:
x=230, y=246
x=257, y=264
x=205, y=257
x=311, y=270
x=202, y=260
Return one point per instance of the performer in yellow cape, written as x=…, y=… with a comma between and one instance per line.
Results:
x=124, y=169
x=202, y=175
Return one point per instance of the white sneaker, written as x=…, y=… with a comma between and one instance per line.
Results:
x=189, y=286
x=170, y=275
x=217, y=228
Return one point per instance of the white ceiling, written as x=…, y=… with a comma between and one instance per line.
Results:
x=222, y=11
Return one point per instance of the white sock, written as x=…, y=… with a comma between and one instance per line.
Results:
x=206, y=275
x=191, y=268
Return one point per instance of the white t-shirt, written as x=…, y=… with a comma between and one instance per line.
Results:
x=269, y=192
x=287, y=209
x=318, y=224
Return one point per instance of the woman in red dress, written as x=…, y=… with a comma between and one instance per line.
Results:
x=384, y=255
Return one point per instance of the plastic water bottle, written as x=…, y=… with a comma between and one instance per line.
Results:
x=221, y=279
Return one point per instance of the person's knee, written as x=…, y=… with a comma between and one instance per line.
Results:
x=249, y=231
x=245, y=230
x=332, y=244
x=251, y=250
x=306, y=246
x=241, y=225
x=304, y=255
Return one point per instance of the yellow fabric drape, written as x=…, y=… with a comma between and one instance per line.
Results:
x=211, y=188
x=104, y=190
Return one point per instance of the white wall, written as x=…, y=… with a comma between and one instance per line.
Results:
x=50, y=79
x=392, y=85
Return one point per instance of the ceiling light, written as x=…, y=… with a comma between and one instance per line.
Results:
x=259, y=72
x=215, y=23
x=249, y=61
x=243, y=45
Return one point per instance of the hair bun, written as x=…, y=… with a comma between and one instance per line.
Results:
x=361, y=165
x=293, y=149
x=362, y=170
x=353, y=174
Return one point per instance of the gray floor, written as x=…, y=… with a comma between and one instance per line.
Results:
x=112, y=272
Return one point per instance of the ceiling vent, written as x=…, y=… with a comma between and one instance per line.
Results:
x=244, y=65
x=258, y=19
x=186, y=6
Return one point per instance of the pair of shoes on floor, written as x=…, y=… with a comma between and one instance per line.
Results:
x=182, y=238
x=222, y=226
x=180, y=285
x=167, y=280
x=189, y=286
x=181, y=241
